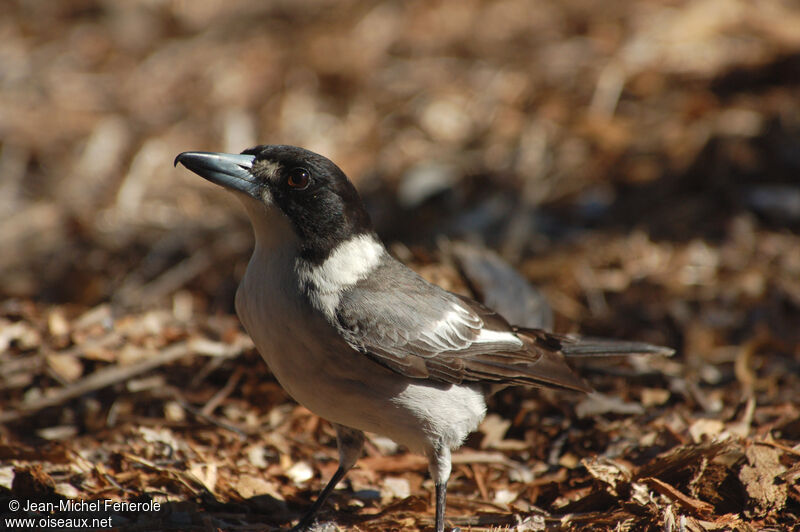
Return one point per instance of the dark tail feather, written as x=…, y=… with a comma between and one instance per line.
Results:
x=600, y=347
x=585, y=346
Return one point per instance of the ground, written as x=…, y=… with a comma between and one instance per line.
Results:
x=637, y=163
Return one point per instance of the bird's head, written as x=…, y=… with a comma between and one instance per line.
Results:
x=311, y=191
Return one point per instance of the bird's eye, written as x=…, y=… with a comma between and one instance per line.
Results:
x=298, y=178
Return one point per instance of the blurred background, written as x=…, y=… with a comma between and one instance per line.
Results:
x=638, y=161
x=522, y=126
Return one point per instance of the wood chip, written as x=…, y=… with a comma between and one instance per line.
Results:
x=695, y=506
x=760, y=476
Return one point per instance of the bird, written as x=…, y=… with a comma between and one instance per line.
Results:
x=359, y=338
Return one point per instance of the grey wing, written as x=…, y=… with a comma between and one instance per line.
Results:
x=422, y=331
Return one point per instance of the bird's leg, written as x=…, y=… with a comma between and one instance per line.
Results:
x=441, y=499
x=350, y=442
x=439, y=466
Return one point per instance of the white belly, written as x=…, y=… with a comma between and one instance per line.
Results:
x=321, y=372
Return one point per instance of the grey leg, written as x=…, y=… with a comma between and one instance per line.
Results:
x=350, y=442
x=441, y=499
x=439, y=466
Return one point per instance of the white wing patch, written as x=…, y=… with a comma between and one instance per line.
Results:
x=347, y=264
x=448, y=334
x=492, y=337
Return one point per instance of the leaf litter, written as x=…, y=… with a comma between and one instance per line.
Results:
x=647, y=190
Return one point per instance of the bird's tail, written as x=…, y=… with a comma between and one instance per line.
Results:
x=575, y=346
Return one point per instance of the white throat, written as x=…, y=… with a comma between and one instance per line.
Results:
x=347, y=264
x=272, y=229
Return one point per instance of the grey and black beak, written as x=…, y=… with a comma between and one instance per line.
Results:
x=229, y=170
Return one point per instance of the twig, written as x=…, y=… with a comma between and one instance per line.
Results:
x=210, y=419
x=482, y=457
x=777, y=445
x=226, y=390
x=97, y=380
x=183, y=477
x=695, y=506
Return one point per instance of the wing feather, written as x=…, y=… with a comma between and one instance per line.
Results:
x=421, y=331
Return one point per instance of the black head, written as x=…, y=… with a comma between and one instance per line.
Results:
x=309, y=189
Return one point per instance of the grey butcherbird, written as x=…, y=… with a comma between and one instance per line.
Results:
x=357, y=337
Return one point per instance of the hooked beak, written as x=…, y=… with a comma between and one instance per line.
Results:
x=229, y=170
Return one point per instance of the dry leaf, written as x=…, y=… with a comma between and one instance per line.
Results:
x=248, y=486
x=395, y=488
x=300, y=472
x=68, y=368
x=760, y=476
x=494, y=428
x=596, y=404
x=608, y=471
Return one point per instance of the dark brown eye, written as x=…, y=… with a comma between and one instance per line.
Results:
x=298, y=178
